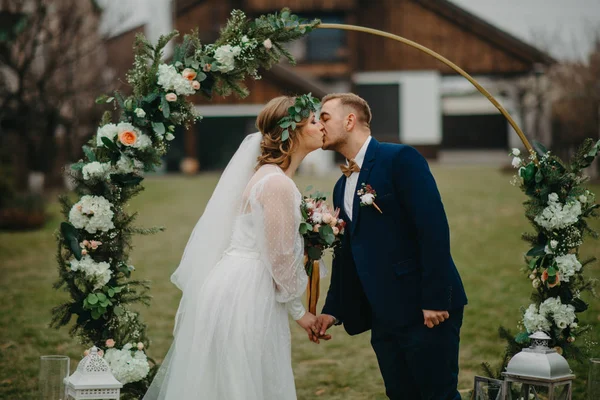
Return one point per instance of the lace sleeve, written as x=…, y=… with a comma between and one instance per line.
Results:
x=276, y=214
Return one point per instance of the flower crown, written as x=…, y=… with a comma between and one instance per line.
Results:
x=301, y=109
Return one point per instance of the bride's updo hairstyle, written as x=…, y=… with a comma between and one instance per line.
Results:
x=272, y=149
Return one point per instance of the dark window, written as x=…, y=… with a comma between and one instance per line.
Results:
x=219, y=138
x=475, y=132
x=384, y=101
x=321, y=45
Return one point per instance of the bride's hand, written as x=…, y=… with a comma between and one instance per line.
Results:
x=311, y=325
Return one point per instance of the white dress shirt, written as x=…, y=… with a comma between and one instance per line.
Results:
x=352, y=180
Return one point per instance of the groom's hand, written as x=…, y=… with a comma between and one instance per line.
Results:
x=434, y=318
x=326, y=322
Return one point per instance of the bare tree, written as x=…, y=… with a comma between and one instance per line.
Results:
x=51, y=67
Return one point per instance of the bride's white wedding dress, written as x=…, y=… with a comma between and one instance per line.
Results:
x=232, y=336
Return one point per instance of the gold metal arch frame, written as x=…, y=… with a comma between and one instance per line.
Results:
x=443, y=59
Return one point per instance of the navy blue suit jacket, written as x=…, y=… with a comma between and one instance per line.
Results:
x=393, y=265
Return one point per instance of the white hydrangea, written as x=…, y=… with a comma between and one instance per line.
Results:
x=225, y=56
x=108, y=131
x=126, y=367
x=126, y=165
x=568, y=265
x=96, y=170
x=171, y=80
x=534, y=321
x=562, y=314
x=93, y=214
x=557, y=216
x=98, y=272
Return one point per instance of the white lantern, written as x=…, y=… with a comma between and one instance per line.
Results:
x=541, y=372
x=93, y=379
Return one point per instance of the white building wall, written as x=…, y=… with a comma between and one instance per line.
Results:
x=420, y=103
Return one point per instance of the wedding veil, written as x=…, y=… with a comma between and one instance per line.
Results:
x=212, y=234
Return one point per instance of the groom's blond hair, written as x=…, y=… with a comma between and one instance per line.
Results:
x=357, y=103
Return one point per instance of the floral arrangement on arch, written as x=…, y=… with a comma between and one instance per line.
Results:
x=558, y=207
x=95, y=240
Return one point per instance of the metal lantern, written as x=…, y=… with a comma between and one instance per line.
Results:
x=93, y=379
x=540, y=371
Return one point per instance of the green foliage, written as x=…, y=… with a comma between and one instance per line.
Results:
x=114, y=168
x=303, y=106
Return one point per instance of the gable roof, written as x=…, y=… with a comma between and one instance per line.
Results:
x=487, y=31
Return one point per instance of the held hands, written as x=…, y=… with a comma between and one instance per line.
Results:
x=316, y=327
x=434, y=318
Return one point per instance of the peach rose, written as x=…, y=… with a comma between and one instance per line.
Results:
x=84, y=252
x=110, y=343
x=207, y=67
x=171, y=97
x=327, y=218
x=85, y=243
x=336, y=231
x=545, y=278
x=268, y=44
x=101, y=353
x=140, y=346
x=128, y=138
x=316, y=228
x=94, y=244
x=189, y=74
x=195, y=85
x=86, y=353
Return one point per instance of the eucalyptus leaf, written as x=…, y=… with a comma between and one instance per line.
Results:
x=159, y=128
x=166, y=109
x=71, y=239
x=285, y=135
x=89, y=153
x=118, y=310
x=314, y=253
x=92, y=299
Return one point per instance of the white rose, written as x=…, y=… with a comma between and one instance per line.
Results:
x=140, y=113
x=553, y=243
x=583, y=199
x=574, y=325
x=516, y=162
x=532, y=276
x=367, y=199
x=268, y=44
x=516, y=152
x=536, y=283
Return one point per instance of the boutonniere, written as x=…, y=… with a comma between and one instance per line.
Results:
x=367, y=196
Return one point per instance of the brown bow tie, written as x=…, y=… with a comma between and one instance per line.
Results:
x=350, y=168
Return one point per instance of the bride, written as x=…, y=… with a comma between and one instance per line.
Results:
x=242, y=273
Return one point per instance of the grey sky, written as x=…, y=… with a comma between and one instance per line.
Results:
x=566, y=27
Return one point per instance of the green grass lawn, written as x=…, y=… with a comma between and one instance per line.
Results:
x=486, y=220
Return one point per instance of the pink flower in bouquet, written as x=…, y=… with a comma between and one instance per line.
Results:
x=336, y=231
x=195, y=85
x=101, y=353
x=140, y=346
x=171, y=97
x=189, y=74
x=327, y=218
x=316, y=228
x=110, y=343
x=94, y=244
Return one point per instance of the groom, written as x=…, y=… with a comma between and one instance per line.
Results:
x=394, y=273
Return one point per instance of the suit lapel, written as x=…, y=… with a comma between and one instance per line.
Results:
x=363, y=177
x=338, y=196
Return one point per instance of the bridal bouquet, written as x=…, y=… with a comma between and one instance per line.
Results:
x=320, y=227
x=322, y=230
